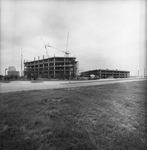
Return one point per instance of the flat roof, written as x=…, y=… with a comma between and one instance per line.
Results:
x=105, y=70
x=48, y=58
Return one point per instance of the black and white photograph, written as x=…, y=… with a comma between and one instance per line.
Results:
x=73, y=75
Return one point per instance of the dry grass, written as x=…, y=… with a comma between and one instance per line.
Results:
x=105, y=117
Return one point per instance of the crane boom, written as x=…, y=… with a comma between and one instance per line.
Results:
x=57, y=49
x=66, y=52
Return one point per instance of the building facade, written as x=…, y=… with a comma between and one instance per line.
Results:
x=11, y=68
x=12, y=71
x=54, y=67
x=105, y=73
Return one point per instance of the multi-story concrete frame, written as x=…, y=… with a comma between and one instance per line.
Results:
x=54, y=67
x=105, y=73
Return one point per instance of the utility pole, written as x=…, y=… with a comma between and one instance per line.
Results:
x=21, y=61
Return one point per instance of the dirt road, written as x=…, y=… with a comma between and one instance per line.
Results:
x=31, y=85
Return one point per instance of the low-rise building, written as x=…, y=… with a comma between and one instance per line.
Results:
x=106, y=73
x=12, y=71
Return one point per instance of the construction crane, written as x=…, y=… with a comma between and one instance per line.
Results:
x=45, y=45
x=66, y=53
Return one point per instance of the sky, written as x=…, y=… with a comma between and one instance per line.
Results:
x=103, y=34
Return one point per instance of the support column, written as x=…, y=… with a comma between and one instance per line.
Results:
x=113, y=74
x=64, y=67
x=43, y=65
x=48, y=67
x=54, y=68
x=38, y=66
x=34, y=66
x=73, y=72
x=119, y=74
x=24, y=68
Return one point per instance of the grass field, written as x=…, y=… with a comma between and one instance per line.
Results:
x=105, y=117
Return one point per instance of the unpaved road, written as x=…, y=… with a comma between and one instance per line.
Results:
x=30, y=85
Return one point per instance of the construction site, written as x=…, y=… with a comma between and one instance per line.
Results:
x=53, y=67
x=64, y=67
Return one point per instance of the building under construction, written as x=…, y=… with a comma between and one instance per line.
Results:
x=106, y=73
x=53, y=68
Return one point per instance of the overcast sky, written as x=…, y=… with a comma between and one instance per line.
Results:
x=102, y=34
